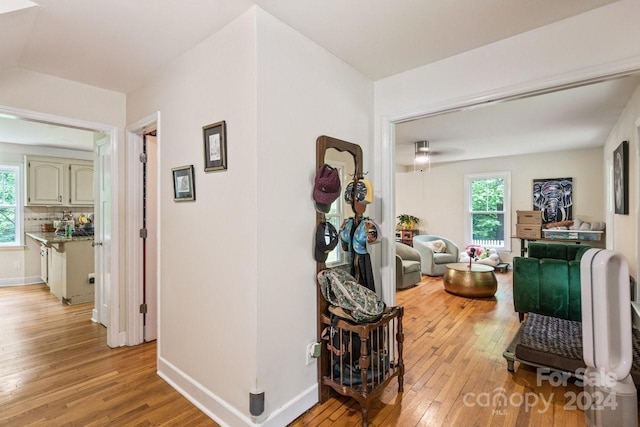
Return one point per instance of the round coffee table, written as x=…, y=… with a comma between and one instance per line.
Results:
x=479, y=281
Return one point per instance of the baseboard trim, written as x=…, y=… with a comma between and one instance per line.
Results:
x=21, y=281
x=225, y=414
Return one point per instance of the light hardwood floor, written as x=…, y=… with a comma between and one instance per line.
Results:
x=55, y=369
x=455, y=369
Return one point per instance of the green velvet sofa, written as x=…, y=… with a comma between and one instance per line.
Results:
x=547, y=281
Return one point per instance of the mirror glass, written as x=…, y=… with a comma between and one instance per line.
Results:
x=340, y=210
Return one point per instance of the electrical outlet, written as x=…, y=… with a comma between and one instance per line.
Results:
x=313, y=352
x=17, y=265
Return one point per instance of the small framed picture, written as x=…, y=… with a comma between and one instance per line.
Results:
x=184, y=188
x=215, y=146
x=621, y=178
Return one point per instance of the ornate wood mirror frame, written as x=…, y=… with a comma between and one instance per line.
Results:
x=324, y=143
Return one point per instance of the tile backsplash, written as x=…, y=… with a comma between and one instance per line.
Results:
x=36, y=215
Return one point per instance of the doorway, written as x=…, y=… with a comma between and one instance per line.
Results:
x=143, y=237
x=391, y=125
x=107, y=311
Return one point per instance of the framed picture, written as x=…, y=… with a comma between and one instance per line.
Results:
x=621, y=178
x=554, y=197
x=184, y=188
x=215, y=147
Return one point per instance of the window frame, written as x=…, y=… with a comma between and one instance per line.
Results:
x=506, y=208
x=18, y=170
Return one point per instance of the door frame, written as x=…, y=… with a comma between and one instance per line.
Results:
x=134, y=290
x=385, y=144
x=114, y=338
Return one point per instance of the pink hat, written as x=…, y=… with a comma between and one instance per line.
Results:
x=327, y=186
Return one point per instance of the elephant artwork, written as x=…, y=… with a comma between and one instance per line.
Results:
x=554, y=198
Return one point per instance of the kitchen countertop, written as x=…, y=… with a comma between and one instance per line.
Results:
x=52, y=238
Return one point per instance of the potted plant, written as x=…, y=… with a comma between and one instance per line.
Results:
x=408, y=222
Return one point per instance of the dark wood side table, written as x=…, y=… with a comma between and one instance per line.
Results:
x=406, y=236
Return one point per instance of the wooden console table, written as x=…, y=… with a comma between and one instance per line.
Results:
x=525, y=240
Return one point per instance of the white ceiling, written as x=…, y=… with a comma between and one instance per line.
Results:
x=45, y=135
x=117, y=44
x=570, y=119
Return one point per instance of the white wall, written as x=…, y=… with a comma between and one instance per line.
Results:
x=303, y=92
x=625, y=227
x=437, y=198
x=238, y=284
x=208, y=275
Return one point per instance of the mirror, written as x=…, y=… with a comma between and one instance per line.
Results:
x=340, y=210
x=331, y=150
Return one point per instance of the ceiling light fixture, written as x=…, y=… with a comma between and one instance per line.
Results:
x=422, y=152
x=7, y=6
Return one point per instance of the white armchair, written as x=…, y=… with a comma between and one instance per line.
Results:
x=434, y=256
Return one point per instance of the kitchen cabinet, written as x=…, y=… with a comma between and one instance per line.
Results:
x=44, y=263
x=56, y=181
x=45, y=182
x=70, y=262
x=81, y=183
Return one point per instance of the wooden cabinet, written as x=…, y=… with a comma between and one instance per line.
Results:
x=45, y=182
x=81, y=183
x=44, y=263
x=53, y=181
x=71, y=264
x=406, y=236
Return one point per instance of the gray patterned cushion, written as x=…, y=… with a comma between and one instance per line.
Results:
x=557, y=343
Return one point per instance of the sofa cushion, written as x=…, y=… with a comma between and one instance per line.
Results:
x=444, y=258
x=537, y=250
x=410, y=266
x=557, y=252
x=526, y=284
x=436, y=246
x=575, y=252
x=554, y=288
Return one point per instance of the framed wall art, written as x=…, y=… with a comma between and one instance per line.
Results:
x=554, y=197
x=215, y=146
x=621, y=178
x=184, y=188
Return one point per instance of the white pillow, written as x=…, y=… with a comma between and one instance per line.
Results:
x=436, y=246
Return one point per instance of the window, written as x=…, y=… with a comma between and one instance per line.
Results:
x=335, y=217
x=10, y=206
x=487, y=201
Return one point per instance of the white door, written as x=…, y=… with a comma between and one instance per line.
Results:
x=102, y=231
x=151, y=242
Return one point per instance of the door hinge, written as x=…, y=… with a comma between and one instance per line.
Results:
x=143, y=308
x=143, y=233
x=143, y=157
